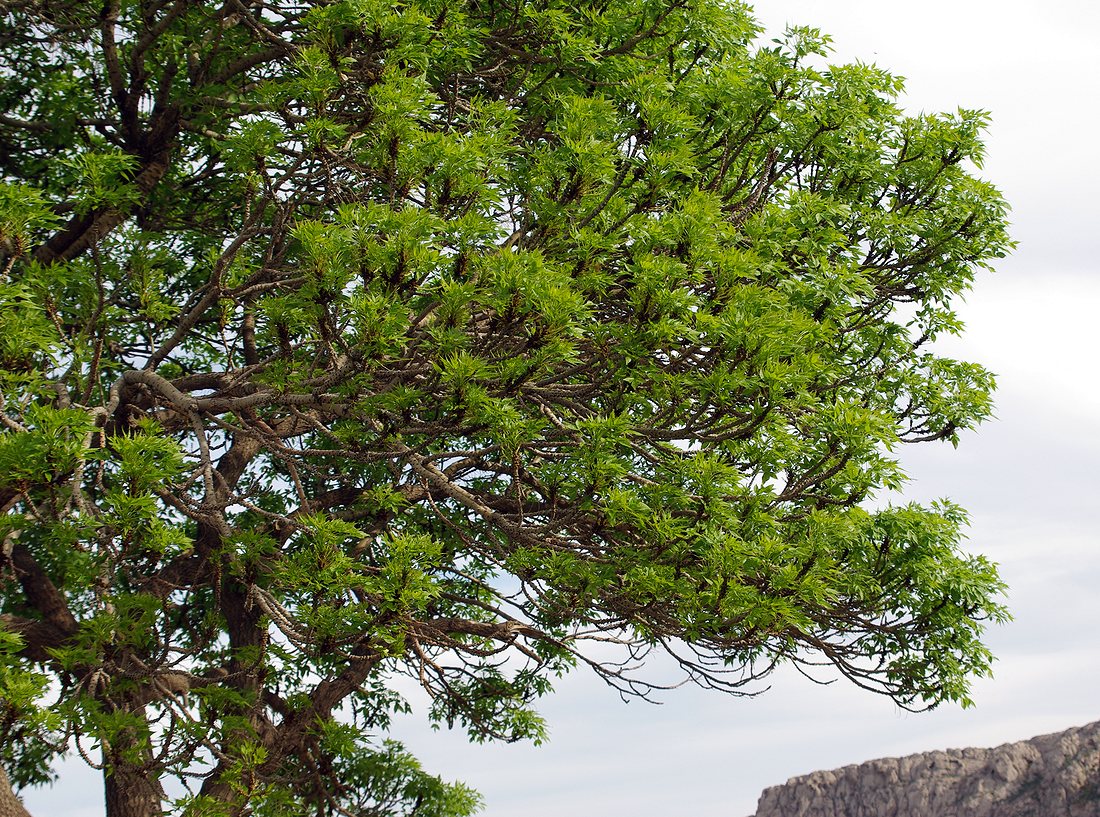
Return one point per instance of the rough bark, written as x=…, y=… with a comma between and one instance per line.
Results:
x=131, y=792
x=10, y=805
x=131, y=786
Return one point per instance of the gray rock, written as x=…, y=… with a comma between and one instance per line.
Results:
x=1048, y=776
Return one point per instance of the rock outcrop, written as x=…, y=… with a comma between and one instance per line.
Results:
x=1049, y=776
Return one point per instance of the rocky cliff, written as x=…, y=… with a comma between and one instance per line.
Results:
x=1049, y=776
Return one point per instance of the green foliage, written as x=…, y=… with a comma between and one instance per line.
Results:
x=28, y=730
x=24, y=212
x=354, y=340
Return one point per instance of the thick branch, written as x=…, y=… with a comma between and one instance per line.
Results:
x=82, y=232
x=39, y=637
x=40, y=591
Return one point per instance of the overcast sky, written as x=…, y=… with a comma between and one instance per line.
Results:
x=1029, y=478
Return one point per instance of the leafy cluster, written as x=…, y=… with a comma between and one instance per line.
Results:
x=349, y=340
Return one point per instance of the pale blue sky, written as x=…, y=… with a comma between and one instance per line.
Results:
x=1029, y=478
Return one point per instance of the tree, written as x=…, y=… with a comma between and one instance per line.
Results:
x=348, y=340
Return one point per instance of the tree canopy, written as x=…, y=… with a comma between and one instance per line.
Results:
x=345, y=341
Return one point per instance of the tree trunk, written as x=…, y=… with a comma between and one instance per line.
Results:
x=131, y=792
x=10, y=805
x=131, y=784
